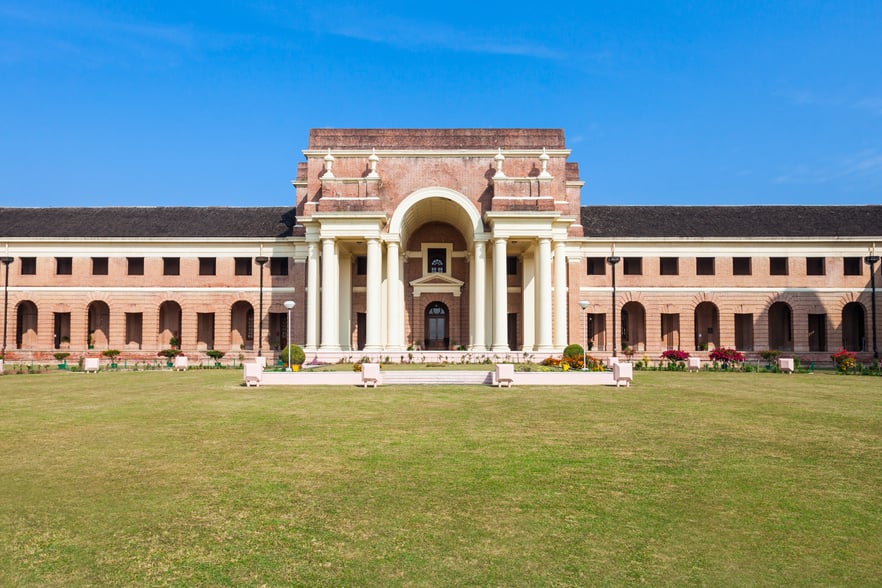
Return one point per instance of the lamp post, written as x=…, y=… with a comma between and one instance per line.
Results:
x=584, y=304
x=261, y=261
x=289, y=304
x=6, y=259
x=612, y=260
x=871, y=261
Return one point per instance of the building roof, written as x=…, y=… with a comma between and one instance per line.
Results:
x=145, y=222
x=731, y=221
x=430, y=139
x=616, y=222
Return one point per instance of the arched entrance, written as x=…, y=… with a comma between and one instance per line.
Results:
x=99, y=325
x=634, y=326
x=707, y=326
x=781, y=327
x=437, y=326
x=853, y=321
x=169, y=322
x=26, y=325
x=242, y=325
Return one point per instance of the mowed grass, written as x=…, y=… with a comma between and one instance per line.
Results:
x=190, y=479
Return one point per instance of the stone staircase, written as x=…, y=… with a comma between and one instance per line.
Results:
x=415, y=377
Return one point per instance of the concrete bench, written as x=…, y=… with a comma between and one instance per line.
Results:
x=91, y=364
x=693, y=364
x=623, y=373
x=370, y=374
x=181, y=363
x=253, y=374
x=504, y=374
x=785, y=364
x=611, y=361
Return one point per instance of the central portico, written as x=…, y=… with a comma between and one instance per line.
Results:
x=436, y=239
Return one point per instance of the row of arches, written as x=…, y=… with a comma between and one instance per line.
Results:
x=132, y=333
x=706, y=333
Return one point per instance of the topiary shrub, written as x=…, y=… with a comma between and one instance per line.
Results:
x=297, y=356
x=573, y=351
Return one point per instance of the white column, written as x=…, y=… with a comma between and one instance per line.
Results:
x=529, y=299
x=330, y=310
x=500, y=297
x=479, y=297
x=312, y=297
x=560, y=295
x=373, y=338
x=543, y=294
x=393, y=297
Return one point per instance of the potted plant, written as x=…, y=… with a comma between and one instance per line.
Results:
x=215, y=355
x=62, y=357
x=65, y=342
x=91, y=341
x=174, y=343
x=112, y=355
x=292, y=356
x=169, y=355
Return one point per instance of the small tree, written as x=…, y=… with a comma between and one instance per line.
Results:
x=295, y=353
x=111, y=353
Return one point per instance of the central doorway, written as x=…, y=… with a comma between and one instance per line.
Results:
x=436, y=334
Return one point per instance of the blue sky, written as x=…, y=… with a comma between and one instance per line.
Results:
x=209, y=103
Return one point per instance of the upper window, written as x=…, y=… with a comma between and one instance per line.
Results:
x=99, y=266
x=436, y=262
x=668, y=266
x=852, y=266
x=279, y=266
x=63, y=266
x=171, y=266
x=633, y=266
x=28, y=266
x=511, y=265
x=207, y=266
x=243, y=266
x=814, y=266
x=136, y=266
x=778, y=266
x=704, y=266
x=596, y=266
x=741, y=266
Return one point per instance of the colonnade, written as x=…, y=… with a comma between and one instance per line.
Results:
x=545, y=310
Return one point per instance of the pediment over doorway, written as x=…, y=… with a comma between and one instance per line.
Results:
x=436, y=284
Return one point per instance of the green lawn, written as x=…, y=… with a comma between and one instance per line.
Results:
x=190, y=479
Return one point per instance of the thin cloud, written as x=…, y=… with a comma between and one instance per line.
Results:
x=416, y=36
x=866, y=164
x=874, y=105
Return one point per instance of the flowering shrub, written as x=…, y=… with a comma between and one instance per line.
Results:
x=844, y=360
x=726, y=355
x=675, y=355
x=573, y=363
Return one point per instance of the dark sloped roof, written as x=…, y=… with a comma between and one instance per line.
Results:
x=436, y=138
x=137, y=222
x=731, y=221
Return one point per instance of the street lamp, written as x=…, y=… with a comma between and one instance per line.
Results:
x=871, y=261
x=613, y=259
x=261, y=261
x=289, y=304
x=584, y=304
x=6, y=259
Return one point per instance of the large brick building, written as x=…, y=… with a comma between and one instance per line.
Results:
x=439, y=239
